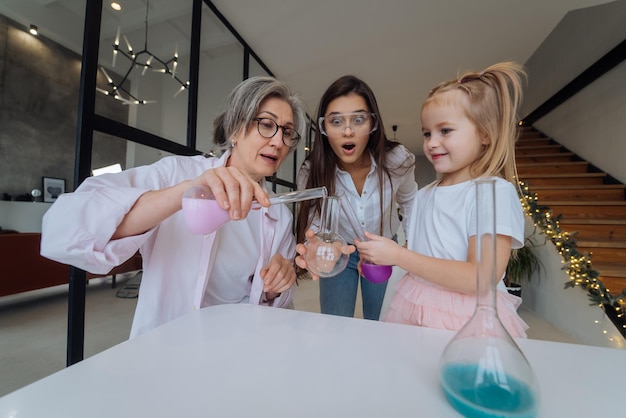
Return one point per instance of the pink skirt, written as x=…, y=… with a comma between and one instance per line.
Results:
x=420, y=302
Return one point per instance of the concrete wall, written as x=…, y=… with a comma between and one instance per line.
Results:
x=39, y=83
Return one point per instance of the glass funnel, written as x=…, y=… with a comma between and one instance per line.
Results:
x=482, y=370
x=203, y=215
x=324, y=255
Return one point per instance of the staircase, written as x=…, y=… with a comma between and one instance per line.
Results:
x=590, y=202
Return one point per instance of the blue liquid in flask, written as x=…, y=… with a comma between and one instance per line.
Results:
x=480, y=394
x=483, y=372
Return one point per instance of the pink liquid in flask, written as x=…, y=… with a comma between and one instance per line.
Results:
x=203, y=216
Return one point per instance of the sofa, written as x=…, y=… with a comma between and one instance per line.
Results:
x=22, y=268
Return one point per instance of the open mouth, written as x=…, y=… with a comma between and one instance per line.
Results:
x=348, y=147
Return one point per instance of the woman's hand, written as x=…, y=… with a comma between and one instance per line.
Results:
x=301, y=250
x=278, y=276
x=233, y=190
x=378, y=249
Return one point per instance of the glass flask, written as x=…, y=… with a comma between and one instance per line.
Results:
x=482, y=371
x=375, y=273
x=203, y=215
x=325, y=255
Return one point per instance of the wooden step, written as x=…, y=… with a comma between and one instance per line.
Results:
x=612, y=270
x=603, y=251
x=531, y=134
x=545, y=158
x=584, y=192
x=533, y=142
x=587, y=210
x=541, y=149
x=587, y=204
x=537, y=179
x=612, y=275
x=601, y=243
x=553, y=168
x=614, y=285
x=595, y=229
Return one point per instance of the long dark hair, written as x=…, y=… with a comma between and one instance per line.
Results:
x=322, y=159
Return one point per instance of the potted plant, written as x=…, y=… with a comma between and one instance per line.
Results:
x=522, y=264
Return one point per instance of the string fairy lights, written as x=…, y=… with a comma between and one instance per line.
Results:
x=576, y=264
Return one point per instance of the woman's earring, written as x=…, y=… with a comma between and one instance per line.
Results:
x=232, y=143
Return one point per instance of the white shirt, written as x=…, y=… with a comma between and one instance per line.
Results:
x=231, y=282
x=177, y=265
x=444, y=218
x=398, y=194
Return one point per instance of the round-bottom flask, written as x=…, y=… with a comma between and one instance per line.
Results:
x=325, y=254
x=203, y=215
x=482, y=371
x=376, y=273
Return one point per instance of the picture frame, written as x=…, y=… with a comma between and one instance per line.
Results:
x=52, y=188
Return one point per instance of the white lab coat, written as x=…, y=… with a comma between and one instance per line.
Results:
x=77, y=230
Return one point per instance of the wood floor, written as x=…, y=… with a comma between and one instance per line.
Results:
x=589, y=201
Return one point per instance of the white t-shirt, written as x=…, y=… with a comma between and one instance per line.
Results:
x=444, y=218
x=231, y=282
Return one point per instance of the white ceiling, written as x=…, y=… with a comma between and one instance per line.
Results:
x=401, y=48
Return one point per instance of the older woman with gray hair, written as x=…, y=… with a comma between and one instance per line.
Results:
x=109, y=217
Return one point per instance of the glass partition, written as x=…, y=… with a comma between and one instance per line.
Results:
x=155, y=32
x=109, y=150
x=255, y=68
x=221, y=69
x=142, y=103
x=144, y=67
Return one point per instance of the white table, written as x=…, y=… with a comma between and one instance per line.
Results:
x=242, y=360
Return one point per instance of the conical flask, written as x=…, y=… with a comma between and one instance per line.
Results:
x=325, y=254
x=482, y=370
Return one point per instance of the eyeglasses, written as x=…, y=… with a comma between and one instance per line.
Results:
x=356, y=121
x=268, y=128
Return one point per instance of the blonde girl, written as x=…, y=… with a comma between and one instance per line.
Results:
x=469, y=127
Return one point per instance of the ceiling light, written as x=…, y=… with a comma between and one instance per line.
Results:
x=33, y=30
x=116, y=6
x=144, y=60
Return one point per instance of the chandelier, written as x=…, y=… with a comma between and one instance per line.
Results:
x=143, y=60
